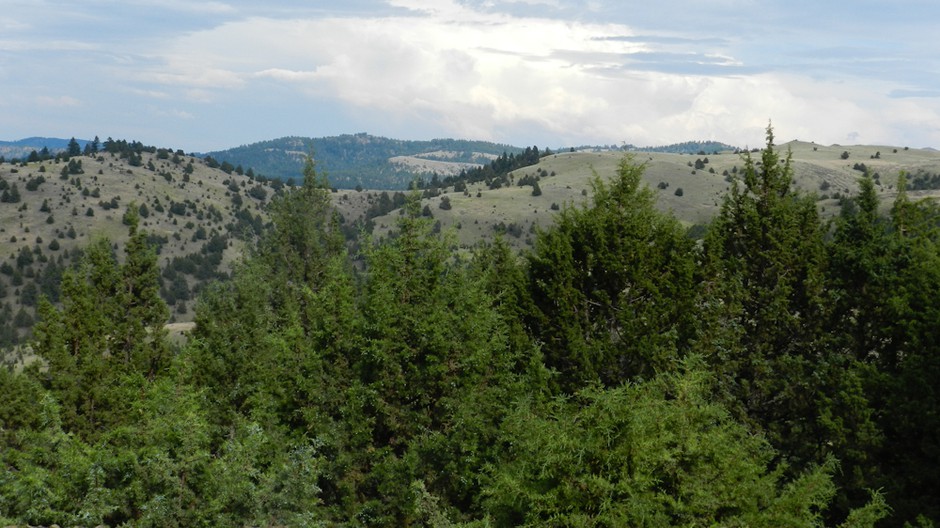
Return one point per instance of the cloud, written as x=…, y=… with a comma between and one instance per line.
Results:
x=903, y=93
x=473, y=71
x=173, y=113
x=9, y=25
x=185, y=6
x=24, y=45
x=518, y=71
x=61, y=101
x=286, y=75
x=151, y=94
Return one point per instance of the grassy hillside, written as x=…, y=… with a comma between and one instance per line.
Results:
x=198, y=217
x=201, y=217
x=693, y=195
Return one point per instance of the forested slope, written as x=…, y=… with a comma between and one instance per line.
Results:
x=363, y=160
x=618, y=374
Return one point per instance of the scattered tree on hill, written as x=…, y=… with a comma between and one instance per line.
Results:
x=73, y=149
x=92, y=147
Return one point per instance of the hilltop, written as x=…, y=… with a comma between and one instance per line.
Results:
x=689, y=186
x=201, y=213
x=198, y=217
x=363, y=160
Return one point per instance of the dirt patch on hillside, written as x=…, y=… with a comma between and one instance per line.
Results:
x=444, y=168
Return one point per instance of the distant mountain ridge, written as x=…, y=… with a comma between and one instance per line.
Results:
x=49, y=142
x=689, y=147
x=376, y=162
x=21, y=148
x=352, y=160
x=373, y=162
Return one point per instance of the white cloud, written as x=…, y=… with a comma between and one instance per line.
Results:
x=151, y=94
x=8, y=25
x=173, y=113
x=189, y=7
x=61, y=101
x=286, y=75
x=507, y=71
x=485, y=69
x=46, y=45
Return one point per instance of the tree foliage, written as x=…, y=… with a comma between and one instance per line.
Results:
x=619, y=374
x=612, y=286
x=657, y=453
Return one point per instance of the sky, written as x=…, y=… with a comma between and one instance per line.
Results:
x=209, y=75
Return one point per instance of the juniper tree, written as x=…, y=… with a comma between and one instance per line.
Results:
x=612, y=286
x=110, y=325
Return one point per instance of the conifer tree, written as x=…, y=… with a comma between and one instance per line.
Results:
x=612, y=285
x=908, y=362
x=140, y=334
x=287, y=311
x=73, y=149
x=110, y=326
x=656, y=453
x=434, y=373
x=765, y=298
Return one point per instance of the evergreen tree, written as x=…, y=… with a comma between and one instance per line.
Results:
x=110, y=325
x=73, y=149
x=766, y=306
x=14, y=194
x=654, y=453
x=433, y=375
x=908, y=363
x=612, y=284
x=139, y=337
x=297, y=278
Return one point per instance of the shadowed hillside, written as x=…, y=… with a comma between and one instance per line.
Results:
x=371, y=162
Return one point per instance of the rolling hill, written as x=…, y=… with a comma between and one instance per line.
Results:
x=202, y=217
x=372, y=162
x=692, y=194
x=365, y=161
x=198, y=217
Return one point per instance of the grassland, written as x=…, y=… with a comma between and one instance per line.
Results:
x=480, y=212
x=188, y=206
x=54, y=220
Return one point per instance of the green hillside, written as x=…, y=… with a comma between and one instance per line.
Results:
x=192, y=207
x=362, y=160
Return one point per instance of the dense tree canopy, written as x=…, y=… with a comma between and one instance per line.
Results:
x=779, y=374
